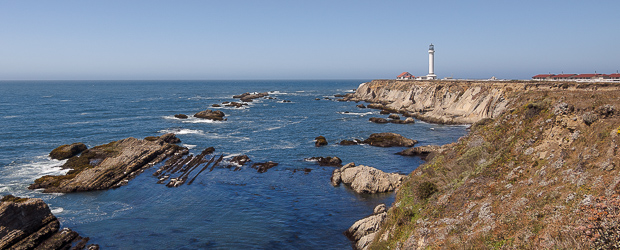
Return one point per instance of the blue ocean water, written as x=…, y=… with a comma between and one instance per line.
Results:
x=222, y=209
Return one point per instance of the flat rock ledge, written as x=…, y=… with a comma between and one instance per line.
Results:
x=110, y=165
x=389, y=140
x=27, y=223
x=364, y=179
x=425, y=152
x=363, y=231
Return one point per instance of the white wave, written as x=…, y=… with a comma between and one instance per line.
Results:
x=300, y=91
x=78, y=123
x=65, y=100
x=10, y=116
x=29, y=171
x=354, y=113
x=57, y=210
x=46, y=96
x=199, y=120
x=188, y=145
x=84, y=113
x=182, y=131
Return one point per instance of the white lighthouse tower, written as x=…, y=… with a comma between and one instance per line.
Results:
x=431, y=63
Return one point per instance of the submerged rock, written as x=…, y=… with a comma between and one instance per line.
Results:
x=361, y=106
x=264, y=166
x=326, y=161
x=240, y=159
x=210, y=114
x=349, y=142
x=378, y=120
x=180, y=116
x=389, y=140
x=364, y=179
x=110, y=165
x=363, y=231
x=235, y=104
x=27, y=223
x=67, y=151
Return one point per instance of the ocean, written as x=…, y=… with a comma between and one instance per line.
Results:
x=283, y=208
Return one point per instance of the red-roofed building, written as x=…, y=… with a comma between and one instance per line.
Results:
x=560, y=77
x=585, y=76
x=542, y=77
x=614, y=76
x=405, y=76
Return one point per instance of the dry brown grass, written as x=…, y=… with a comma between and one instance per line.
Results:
x=523, y=180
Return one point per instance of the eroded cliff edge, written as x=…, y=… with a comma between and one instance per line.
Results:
x=457, y=102
x=539, y=168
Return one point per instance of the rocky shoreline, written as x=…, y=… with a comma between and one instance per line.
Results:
x=538, y=168
x=29, y=224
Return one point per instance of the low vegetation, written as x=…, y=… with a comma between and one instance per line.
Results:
x=542, y=175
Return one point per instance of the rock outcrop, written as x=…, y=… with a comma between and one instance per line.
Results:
x=67, y=151
x=110, y=165
x=389, y=140
x=181, y=116
x=363, y=231
x=247, y=97
x=320, y=141
x=211, y=115
x=27, y=223
x=364, y=179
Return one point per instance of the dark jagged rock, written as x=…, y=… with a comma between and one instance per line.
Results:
x=378, y=120
x=317, y=99
x=349, y=143
x=109, y=166
x=27, y=223
x=240, y=159
x=181, y=116
x=320, y=141
x=210, y=114
x=264, y=166
x=286, y=101
x=361, y=106
x=409, y=120
x=384, y=112
x=216, y=105
x=339, y=95
x=235, y=104
x=394, y=116
x=326, y=161
x=389, y=140
x=67, y=151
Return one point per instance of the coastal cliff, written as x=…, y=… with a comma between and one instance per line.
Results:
x=457, y=102
x=538, y=169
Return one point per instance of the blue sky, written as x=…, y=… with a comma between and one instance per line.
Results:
x=304, y=39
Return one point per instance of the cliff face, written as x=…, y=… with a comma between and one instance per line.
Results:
x=540, y=172
x=29, y=224
x=456, y=102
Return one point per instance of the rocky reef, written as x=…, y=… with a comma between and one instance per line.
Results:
x=27, y=223
x=110, y=165
x=211, y=115
x=67, y=151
